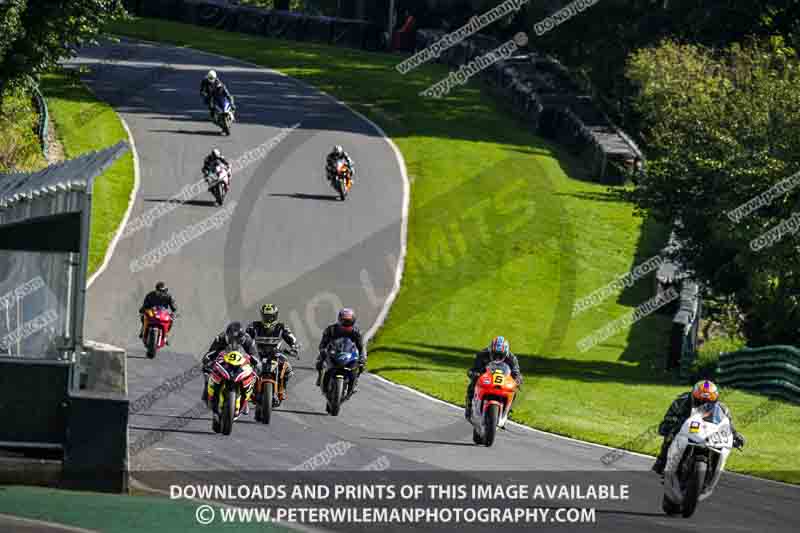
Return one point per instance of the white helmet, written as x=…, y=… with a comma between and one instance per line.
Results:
x=337, y=149
x=211, y=76
x=216, y=153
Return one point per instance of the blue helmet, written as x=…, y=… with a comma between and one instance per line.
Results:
x=499, y=348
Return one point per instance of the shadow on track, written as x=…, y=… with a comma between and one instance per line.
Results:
x=421, y=441
x=191, y=132
x=165, y=430
x=304, y=196
x=202, y=203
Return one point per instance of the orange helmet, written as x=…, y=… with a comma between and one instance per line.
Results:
x=705, y=392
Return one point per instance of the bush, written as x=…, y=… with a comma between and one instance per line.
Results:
x=20, y=148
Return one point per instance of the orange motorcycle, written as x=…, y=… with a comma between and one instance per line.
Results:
x=343, y=178
x=269, y=391
x=495, y=391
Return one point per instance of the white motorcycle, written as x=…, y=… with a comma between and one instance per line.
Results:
x=219, y=182
x=696, y=459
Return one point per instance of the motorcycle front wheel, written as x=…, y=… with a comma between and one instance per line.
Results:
x=490, y=421
x=337, y=391
x=152, y=342
x=266, y=402
x=228, y=411
x=693, y=488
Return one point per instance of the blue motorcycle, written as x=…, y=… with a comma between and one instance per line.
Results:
x=339, y=371
x=223, y=114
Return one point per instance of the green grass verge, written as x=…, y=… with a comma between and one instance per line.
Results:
x=111, y=513
x=80, y=132
x=505, y=231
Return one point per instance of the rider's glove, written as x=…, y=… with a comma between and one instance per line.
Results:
x=738, y=440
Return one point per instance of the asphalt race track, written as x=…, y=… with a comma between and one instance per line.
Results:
x=289, y=241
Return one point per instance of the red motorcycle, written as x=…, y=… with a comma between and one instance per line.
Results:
x=157, y=325
x=495, y=391
x=234, y=375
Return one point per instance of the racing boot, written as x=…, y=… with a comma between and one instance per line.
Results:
x=661, y=461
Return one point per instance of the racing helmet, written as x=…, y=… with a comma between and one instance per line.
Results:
x=269, y=314
x=704, y=392
x=234, y=334
x=161, y=287
x=338, y=150
x=216, y=153
x=211, y=76
x=346, y=319
x=499, y=348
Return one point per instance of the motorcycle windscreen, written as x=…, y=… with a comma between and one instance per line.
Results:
x=712, y=413
x=494, y=366
x=346, y=359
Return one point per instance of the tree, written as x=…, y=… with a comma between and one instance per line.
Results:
x=722, y=128
x=36, y=34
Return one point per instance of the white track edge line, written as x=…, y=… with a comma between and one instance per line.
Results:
x=401, y=262
x=131, y=200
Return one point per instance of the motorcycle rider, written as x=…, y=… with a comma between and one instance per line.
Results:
x=215, y=157
x=211, y=88
x=270, y=327
x=160, y=297
x=497, y=351
x=703, y=392
x=234, y=338
x=336, y=153
x=345, y=326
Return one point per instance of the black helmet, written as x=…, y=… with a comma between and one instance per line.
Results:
x=234, y=334
x=161, y=286
x=269, y=314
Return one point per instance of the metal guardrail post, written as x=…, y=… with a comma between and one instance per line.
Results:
x=44, y=117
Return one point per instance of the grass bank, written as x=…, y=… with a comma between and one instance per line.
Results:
x=506, y=231
x=67, y=100
x=111, y=513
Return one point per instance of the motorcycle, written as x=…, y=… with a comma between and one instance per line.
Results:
x=495, y=390
x=339, y=368
x=696, y=459
x=235, y=374
x=269, y=391
x=342, y=180
x=223, y=115
x=157, y=325
x=219, y=182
